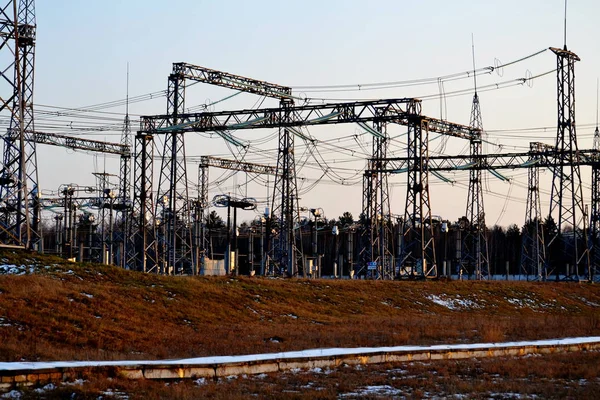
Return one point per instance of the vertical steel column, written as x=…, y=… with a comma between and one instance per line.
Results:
x=474, y=254
x=418, y=250
x=201, y=219
x=124, y=209
x=595, y=212
x=19, y=221
x=376, y=216
x=381, y=224
x=533, y=251
x=285, y=197
x=143, y=237
x=566, y=201
x=173, y=195
x=367, y=253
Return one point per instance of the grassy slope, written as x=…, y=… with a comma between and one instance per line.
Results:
x=85, y=311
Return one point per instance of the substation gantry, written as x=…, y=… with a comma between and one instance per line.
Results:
x=19, y=190
x=418, y=244
x=202, y=203
x=539, y=156
x=173, y=189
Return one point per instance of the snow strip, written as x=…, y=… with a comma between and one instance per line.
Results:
x=331, y=352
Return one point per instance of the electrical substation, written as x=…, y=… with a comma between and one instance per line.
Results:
x=149, y=216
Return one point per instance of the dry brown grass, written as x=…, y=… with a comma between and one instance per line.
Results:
x=105, y=313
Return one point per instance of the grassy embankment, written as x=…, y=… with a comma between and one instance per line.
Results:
x=66, y=311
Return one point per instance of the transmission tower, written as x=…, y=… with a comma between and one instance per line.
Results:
x=474, y=251
x=533, y=253
x=123, y=207
x=285, y=196
x=377, y=231
x=172, y=204
x=19, y=194
x=417, y=257
x=566, y=201
x=595, y=212
x=143, y=246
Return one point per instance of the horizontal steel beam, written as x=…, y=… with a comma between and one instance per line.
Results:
x=224, y=79
x=399, y=111
x=235, y=165
x=548, y=158
x=77, y=143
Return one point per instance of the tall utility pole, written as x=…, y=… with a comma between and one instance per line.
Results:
x=533, y=252
x=123, y=207
x=566, y=201
x=474, y=252
x=595, y=212
x=417, y=257
x=19, y=194
x=285, y=195
x=377, y=232
x=173, y=195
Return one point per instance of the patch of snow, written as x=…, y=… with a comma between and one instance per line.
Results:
x=589, y=303
x=381, y=390
x=13, y=394
x=291, y=316
x=76, y=382
x=261, y=376
x=49, y=387
x=454, y=303
x=302, y=354
x=200, y=381
x=114, y=394
x=89, y=296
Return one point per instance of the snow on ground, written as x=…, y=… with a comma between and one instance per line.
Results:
x=330, y=352
x=383, y=390
x=454, y=302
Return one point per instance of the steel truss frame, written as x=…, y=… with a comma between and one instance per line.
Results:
x=533, y=250
x=566, y=200
x=201, y=205
x=404, y=111
x=19, y=194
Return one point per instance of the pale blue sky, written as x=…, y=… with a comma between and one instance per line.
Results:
x=83, y=48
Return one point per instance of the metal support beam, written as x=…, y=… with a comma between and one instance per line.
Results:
x=417, y=259
x=144, y=254
x=231, y=81
x=172, y=206
x=594, y=240
x=474, y=250
x=566, y=201
x=19, y=193
x=533, y=251
x=285, y=207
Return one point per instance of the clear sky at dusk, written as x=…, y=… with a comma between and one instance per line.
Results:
x=83, y=48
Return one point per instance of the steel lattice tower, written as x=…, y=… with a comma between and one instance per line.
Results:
x=566, y=201
x=285, y=196
x=595, y=212
x=533, y=252
x=200, y=214
x=172, y=203
x=143, y=253
x=418, y=250
x=19, y=194
x=378, y=233
x=123, y=208
x=474, y=254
